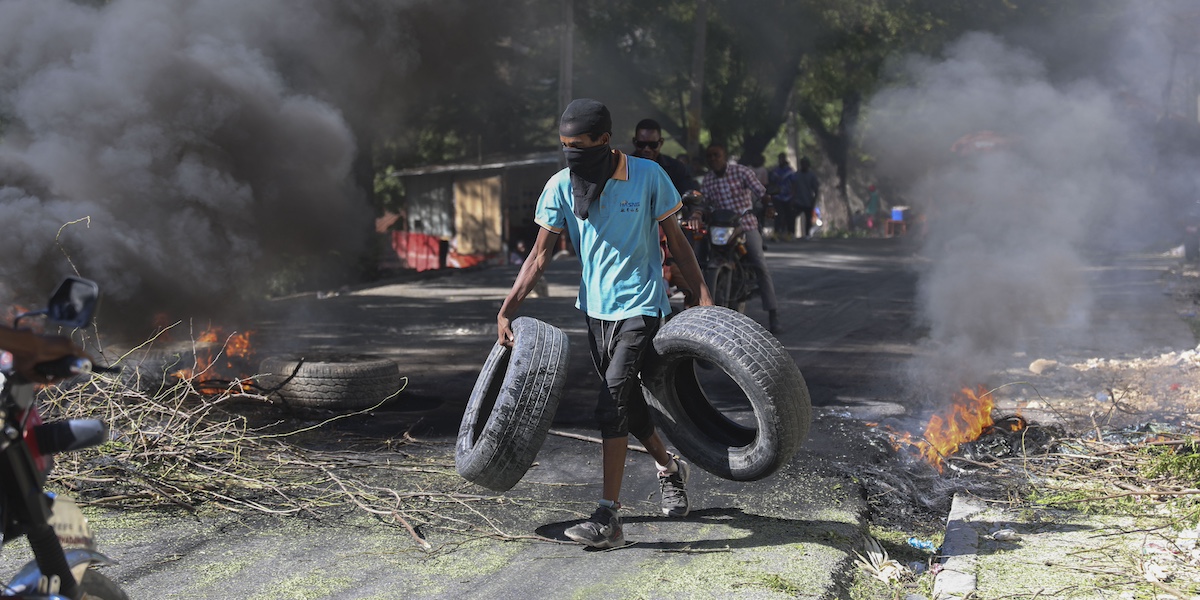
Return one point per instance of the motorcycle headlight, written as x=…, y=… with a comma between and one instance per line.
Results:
x=721, y=235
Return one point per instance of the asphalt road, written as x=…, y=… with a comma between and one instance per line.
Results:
x=846, y=306
x=848, y=310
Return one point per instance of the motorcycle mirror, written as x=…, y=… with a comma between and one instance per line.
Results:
x=73, y=302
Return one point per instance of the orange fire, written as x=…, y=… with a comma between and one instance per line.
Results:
x=234, y=353
x=968, y=416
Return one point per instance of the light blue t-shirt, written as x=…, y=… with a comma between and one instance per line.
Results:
x=618, y=243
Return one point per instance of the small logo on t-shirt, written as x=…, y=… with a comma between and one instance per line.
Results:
x=630, y=205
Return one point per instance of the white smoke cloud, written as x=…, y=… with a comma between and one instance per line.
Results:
x=1011, y=232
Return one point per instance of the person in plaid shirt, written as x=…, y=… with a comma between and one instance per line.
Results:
x=735, y=187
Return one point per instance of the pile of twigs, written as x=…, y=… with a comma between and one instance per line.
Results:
x=236, y=451
x=1083, y=471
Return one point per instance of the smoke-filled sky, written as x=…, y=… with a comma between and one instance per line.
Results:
x=191, y=142
x=1077, y=176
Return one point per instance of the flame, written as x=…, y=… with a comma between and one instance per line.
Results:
x=967, y=417
x=221, y=360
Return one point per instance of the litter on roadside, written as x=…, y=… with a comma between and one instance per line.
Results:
x=922, y=544
x=1006, y=535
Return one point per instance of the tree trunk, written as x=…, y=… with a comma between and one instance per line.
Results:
x=566, y=58
x=836, y=145
x=851, y=107
x=363, y=172
x=754, y=143
x=696, y=102
x=793, y=137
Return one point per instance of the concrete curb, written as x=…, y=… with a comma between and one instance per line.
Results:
x=957, y=580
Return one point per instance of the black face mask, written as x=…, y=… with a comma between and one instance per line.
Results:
x=590, y=170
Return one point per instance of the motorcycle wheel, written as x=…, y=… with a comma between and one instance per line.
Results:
x=95, y=586
x=723, y=288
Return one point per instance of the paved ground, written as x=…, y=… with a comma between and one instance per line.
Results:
x=848, y=311
x=788, y=536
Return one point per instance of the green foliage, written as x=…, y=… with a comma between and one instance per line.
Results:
x=485, y=77
x=389, y=190
x=1173, y=464
x=309, y=273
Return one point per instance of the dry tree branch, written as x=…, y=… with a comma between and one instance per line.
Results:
x=177, y=446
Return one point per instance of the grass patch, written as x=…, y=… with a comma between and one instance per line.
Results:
x=1172, y=464
x=304, y=587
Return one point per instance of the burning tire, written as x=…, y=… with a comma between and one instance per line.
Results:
x=152, y=371
x=512, y=406
x=330, y=381
x=757, y=363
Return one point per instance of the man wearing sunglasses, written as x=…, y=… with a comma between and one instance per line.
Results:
x=648, y=142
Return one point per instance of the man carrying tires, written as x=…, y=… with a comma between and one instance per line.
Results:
x=612, y=205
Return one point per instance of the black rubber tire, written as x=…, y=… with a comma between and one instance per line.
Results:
x=512, y=406
x=757, y=363
x=151, y=371
x=96, y=586
x=330, y=381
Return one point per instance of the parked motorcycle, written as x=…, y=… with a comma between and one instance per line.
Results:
x=63, y=547
x=730, y=281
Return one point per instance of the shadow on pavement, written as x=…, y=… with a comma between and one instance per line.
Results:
x=713, y=529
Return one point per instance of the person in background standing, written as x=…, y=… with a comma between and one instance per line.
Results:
x=517, y=256
x=735, y=187
x=873, y=207
x=763, y=207
x=806, y=191
x=779, y=182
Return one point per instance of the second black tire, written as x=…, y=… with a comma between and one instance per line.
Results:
x=512, y=406
x=331, y=381
x=757, y=363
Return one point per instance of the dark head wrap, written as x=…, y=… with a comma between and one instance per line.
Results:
x=592, y=167
x=585, y=116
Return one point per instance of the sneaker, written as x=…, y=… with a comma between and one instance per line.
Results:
x=601, y=530
x=674, y=490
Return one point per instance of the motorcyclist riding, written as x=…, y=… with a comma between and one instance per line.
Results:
x=736, y=187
